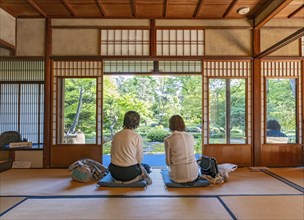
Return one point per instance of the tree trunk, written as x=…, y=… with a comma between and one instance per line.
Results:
x=76, y=118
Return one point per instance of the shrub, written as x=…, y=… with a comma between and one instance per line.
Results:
x=142, y=130
x=157, y=135
x=197, y=135
x=158, y=148
x=218, y=135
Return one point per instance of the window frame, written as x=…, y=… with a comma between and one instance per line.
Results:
x=296, y=106
x=246, y=109
x=60, y=108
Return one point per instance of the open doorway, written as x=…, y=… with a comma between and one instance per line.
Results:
x=156, y=98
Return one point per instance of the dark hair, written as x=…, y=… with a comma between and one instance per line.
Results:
x=176, y=123
x=131, y=120
x=273, y=125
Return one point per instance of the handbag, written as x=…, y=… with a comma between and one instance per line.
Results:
x=85, y=170
x=208, y=166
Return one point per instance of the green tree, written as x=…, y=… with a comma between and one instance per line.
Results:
x=80, y=105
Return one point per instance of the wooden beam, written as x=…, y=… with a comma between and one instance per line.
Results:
x=296, y=11
x=281, y=43
x=232, y=4
x=165, y=8
x=68, y=7
x=6, y=45
x=36, y=7
x=270, y=11
x=198, y=8
x=133, y=8
x=101, y=8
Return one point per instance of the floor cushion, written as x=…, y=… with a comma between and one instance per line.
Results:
x=108, y=181
x=170, y=184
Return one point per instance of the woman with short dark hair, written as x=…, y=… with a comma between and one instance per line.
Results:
x=179, y=147
x=127, y=152
x=274, y=129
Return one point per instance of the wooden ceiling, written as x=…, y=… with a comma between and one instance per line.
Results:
x=170, y=9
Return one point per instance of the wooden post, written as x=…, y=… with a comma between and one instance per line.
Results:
x=257, y=118
x=152, y=38
x=47, y=93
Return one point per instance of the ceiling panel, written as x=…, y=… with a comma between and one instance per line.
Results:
x=145, y=8
x=21, y=10
x=118, y=10
x=289, y=10
x=180, y=11
x=217, y=2
x=209, y=11
x=85, y=10
x=81, y=1
x=253, y=10
x=47, y=1
x=153, y=10
x=55, y=10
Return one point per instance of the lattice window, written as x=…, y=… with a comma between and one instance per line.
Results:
x=180, y=66
x=131, y=66
x=284, y=70
x=25, y=71
x=228, y=70
x=125, y=42
x=22, y=98
x=180, y=42
x=128, y=66
x=77, y=69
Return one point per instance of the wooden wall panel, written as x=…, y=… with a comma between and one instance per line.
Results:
x=30, y=37
x=70, y=154
x=281, y=155
x=271, y=36
x=75, y=42
x=234, y=42
x=236, y=154
x=7, y=27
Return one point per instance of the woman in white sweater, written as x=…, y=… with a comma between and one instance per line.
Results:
x=179, y=147
x=127, y=152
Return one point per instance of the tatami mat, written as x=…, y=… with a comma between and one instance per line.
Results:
x=51, y=194
x=294, y=174
x=266, y=207
x=52, y=182
x=119, y=208
x=8, y=202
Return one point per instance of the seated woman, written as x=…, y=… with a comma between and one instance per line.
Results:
x=180, y=158
x=274, y=134
x=127, y=152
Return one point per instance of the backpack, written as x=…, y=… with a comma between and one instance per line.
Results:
x=86, y=170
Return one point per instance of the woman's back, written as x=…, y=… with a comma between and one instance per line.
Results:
x=180, y=157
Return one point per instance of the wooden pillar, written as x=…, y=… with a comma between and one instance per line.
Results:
x=257, y=97
x=152, y=38
x=47, y=93
x=302, y=84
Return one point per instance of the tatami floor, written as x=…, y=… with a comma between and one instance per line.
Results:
x=30, y=194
